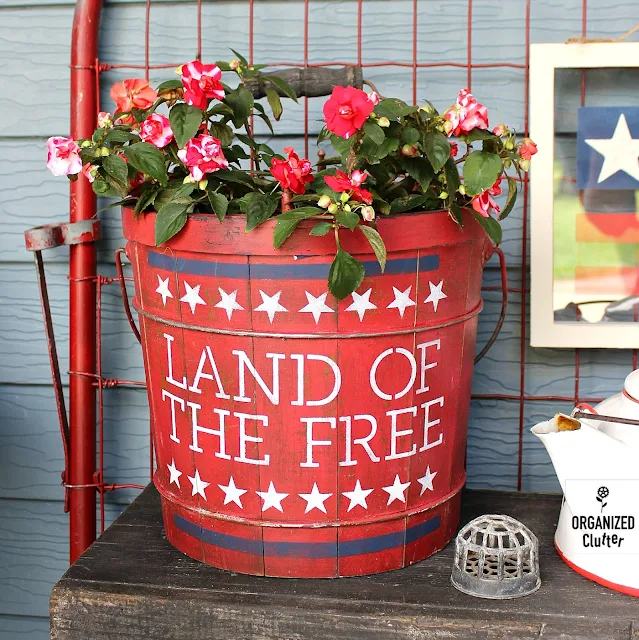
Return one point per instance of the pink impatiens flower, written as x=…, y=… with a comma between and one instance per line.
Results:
x=527, y=149
x=483, y=203
x=465, y=115
x=105, y=120
x=63, y=156
x=89, y=171
x=346, y=111
x=201, y=83
x=156, y=130
x=293, y=173
x=340, y=183
x=203, y=155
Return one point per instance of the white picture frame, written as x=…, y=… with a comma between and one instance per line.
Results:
x=544, y=60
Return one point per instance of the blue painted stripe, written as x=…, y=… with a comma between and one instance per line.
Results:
x=295, y=271
x=311, y=550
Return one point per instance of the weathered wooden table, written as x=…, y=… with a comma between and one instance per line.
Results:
x=132, y=584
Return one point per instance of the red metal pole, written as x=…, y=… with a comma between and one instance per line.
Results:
x=82, y=271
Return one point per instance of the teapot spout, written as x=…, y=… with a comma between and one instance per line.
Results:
x=580, y=451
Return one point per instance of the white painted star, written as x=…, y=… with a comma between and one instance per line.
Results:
x=402, y=300
x=315, y=499
x=427, y=481
x=316, y=306
x=175, y=474
x=272, y=498
x=436, y=294
x=396, y=490
x=271, y=304
x=357, y=496
x=192, y=296
x=163, y=289
x=620, y=153
x=198, y=484
x=228, y=302
x=361, y=303
x=232, y=493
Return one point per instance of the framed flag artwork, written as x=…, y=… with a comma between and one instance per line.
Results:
x=584, y=117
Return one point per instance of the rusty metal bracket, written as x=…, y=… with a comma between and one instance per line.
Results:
x=46, y=237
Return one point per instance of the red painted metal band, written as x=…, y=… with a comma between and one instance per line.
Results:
x=629, y=591
x=310, y=336
x=253, y=522
x=625, y=393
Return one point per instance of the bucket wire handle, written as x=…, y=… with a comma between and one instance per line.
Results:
x=504, y=305
x=125, y=295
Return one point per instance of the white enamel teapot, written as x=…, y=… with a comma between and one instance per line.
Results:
x=597, y=464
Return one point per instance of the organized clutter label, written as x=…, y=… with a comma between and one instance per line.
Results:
x=605, y=514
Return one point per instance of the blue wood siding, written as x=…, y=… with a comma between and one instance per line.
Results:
x=34, y=104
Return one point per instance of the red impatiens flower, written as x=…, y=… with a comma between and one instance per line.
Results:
x=484, y=202
x=527, y=149
x=203, y=155
x=133, y=94
x=293, y=173
x=201, y=83
x=341, y=182
x=346, y=111
x=454, y=149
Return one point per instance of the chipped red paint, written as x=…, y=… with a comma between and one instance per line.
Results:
x=296, y=435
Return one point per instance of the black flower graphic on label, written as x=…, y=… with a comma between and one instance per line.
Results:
x=602, y=494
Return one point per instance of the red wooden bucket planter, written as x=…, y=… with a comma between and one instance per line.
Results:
x=296, y=435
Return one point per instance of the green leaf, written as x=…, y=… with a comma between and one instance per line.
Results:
x=223, y=65
x=117, y=168
x=410, y=135
x=169, y=221
x=266, y=119
x=393, y=108
x=481, y=170
x=241, y=102
x=321, y=229
x=120, y=136
x=223, y=133
x=345, y=275
x=406, y=203
x=169, y=85
x=480, y=134
x=258, y=207
x=232, y=175
x=510, y=199
x=421, y=170
x=240, y=57
x=146, y=199
x=376, y=242
x=348, y=219
x=100, y=186
x=147, y=159
x=437, y=148
x=219, y=204
x=185, y=121
x=287, y=222
x=221, y=109
x=455, y=212
x=452, y=176
x=374, y=132
x=274, y=101
x=491, y=227
x=282, y=85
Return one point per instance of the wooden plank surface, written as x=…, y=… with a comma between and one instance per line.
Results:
x=132, y=584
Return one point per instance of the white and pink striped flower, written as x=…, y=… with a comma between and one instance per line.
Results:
x=156, y=130
x=63, y=156
x=201, y=83
x=203, y=155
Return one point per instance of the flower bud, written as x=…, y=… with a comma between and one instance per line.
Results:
x=234, y=64
x=383, y=122
x=86, y=143
x=500, y=130
x=524, y=164
x=105, y=120
x=507, y=163
x=426, y=108
x=104, y=152
x=333, y=208
x=179, y=70
x=347, y=207
x=462, y=189
x=172, y=95
x=373, y=96
x=368, y=213
x=188, y=180
x=410, y=150
x=443, y=195
x=509, y=145
x=202, y=184
x=324, y=202
x=448, y=127
x=344, y=197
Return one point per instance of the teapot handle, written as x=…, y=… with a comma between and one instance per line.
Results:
x=504, y=304
x=584, y=406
